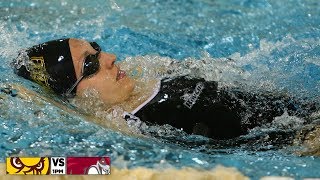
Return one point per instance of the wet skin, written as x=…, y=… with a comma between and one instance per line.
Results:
x=111, y=83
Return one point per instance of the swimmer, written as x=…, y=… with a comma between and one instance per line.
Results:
x=69, y=67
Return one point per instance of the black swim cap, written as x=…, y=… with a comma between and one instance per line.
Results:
x=49, y=64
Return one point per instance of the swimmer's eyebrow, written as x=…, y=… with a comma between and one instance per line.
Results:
x=88, y=52
x=86, y=45
x=85, y=54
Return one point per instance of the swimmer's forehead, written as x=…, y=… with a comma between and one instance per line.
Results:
x=81, y=44
x=80, y=48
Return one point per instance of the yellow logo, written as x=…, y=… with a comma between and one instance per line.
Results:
x=38, y=70
x=28, y=165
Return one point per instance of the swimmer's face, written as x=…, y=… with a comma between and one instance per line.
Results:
x=109, y=81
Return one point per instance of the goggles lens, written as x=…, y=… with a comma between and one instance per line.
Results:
x=91, y=63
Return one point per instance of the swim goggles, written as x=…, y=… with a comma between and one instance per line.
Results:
x=90, y=66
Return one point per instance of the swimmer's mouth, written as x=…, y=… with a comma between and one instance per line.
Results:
x=121, y=74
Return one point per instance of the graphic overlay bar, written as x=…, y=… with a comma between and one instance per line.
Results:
x=58, y=165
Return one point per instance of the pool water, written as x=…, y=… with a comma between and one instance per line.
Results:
x=273, y=45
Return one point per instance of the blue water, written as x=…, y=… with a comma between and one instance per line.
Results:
x=274, y=43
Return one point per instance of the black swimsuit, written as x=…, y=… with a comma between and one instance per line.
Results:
x=199, y=107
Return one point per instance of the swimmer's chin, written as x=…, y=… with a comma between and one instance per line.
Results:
x=123, y=96
x=130, y=84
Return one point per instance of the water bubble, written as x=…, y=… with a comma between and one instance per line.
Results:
x=115, y=6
